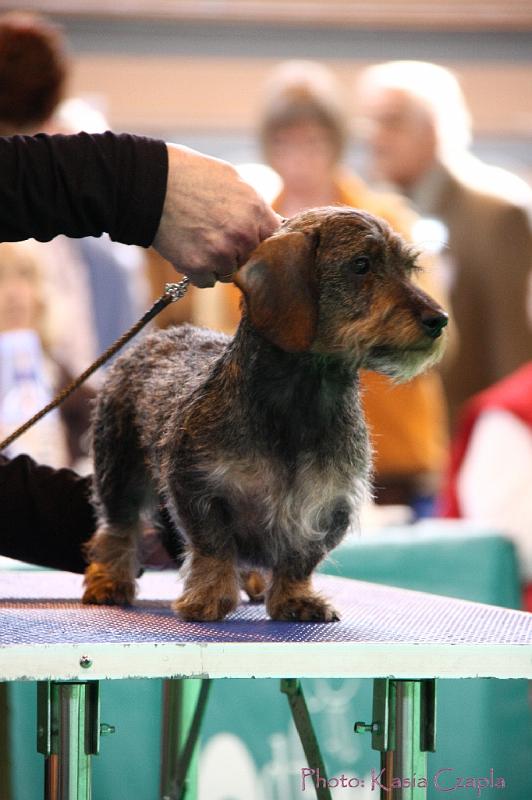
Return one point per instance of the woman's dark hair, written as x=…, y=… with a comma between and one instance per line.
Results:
x=33, y=69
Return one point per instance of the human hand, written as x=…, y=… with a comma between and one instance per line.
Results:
x=212, y=220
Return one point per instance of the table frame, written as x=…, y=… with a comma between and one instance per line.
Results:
x=69, y=729
x=404, y=670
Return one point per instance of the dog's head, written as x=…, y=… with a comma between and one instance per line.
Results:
x=336, y=280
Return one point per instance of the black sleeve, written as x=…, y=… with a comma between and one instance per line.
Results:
x=46, y=515
x=82, y=185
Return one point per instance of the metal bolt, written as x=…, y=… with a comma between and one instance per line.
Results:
x=365, y=727
x=106, y=730
x=85, y=662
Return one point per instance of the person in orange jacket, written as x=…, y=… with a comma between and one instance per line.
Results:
x=303, y=134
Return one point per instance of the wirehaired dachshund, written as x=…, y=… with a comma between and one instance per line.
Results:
x=255, y=447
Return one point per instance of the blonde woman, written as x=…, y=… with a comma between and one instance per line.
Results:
x=29, y=375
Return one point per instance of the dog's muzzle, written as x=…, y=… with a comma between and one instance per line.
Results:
x=433, y=324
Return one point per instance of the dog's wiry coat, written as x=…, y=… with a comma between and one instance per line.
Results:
x=256, y=446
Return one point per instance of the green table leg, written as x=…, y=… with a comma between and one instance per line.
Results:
x=403, y=730
x=184, y=703
x=68, y=732
x=296, y=699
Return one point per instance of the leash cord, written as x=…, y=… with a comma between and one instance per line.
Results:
x=172, y=292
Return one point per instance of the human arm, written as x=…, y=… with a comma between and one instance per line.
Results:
x=46, y=514
x=48, y=517
x=82, y=185
x=195, y=210
x=212, y=220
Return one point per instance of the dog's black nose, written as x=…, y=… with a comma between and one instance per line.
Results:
x=433, y=324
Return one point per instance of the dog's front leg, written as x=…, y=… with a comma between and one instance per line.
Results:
x=211, y=587
x=293, y=599
x=114, y=565
x=211, y=583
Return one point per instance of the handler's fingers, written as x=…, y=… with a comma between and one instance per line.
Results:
x=203, y=280
x=226, y=277
x=270, y=223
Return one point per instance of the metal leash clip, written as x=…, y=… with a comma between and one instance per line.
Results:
x=177, y=290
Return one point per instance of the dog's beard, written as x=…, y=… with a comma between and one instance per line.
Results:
x=403, y=364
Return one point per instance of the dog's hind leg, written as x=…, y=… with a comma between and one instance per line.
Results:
x=254, y=584
x=120, y=492
x=170, y=536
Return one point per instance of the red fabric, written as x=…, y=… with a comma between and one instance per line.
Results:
x=527, y=597
x=513, y=394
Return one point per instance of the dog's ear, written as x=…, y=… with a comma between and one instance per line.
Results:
x=281, y=289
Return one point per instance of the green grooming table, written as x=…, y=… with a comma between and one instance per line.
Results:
x=248, y=724
x=482, y=724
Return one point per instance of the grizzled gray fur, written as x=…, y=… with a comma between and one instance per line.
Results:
x=255, y=447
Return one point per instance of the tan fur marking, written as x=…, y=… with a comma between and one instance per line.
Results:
x=296, y=600
x=110, y=578
x=254, y=584
x=103, y=588
x=211, y=588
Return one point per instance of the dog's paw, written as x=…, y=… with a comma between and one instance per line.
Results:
x=303, y=608
x=103, y=589
x=254, y=585
x=204, y=609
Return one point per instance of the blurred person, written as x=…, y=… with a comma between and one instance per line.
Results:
x=29, y=375
x=419, y=133
x=303, y=133
x=96, y=287
x=491, y=465
x=490, y=469
x=33, y=72
x=116, y=273
x=33, y=77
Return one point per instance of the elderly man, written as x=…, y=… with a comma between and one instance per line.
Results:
x=419, y=134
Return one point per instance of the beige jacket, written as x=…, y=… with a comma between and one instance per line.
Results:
x=487, y=214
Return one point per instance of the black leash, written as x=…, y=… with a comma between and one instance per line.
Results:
x=172, y=292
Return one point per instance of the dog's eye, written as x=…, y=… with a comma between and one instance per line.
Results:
x=361, y=265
